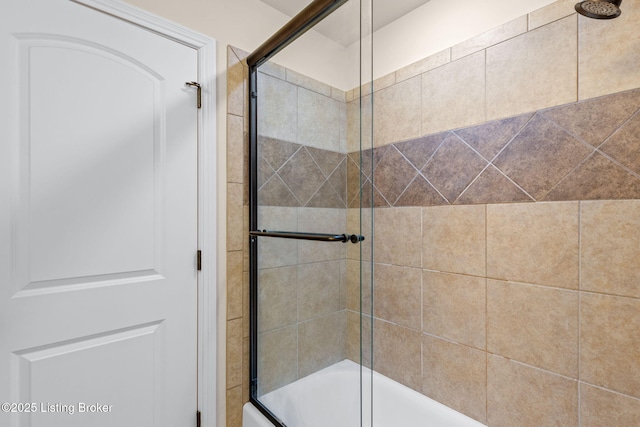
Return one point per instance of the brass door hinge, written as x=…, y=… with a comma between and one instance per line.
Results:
x=199, y=87
x=199, y=260
x=198, y=419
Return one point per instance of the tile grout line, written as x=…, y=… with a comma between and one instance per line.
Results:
x=486, y=308
x=579, y=309
x=577, y=58
x=422, y=352
x=486, y=89
x=626, y=122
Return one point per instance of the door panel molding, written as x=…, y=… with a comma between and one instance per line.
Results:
x=207, y=188
x=27, y=47
x=35, y=369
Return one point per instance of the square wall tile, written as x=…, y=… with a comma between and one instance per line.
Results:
x=534, y=243
x=245, y=370
x=277, y=298
x=278, y=103
x=393, y=174
x=277, y=359
x=454, y=240
x=235, y=149
x=321, y=220
x=518, y=395
x=533, y=71
x=302, y=177
x=616, y=55
x=235, y=219
x=610, y=342
x=610, y=232
x=455, y=375
x=359, y=221
x=245, y=244
x=276, y=193
x=235, y=84
x=353, y=227
x=534, y=324
x=552, y=12
x=600, y=407
x=490, y=138
x=397, y=295
x=318, y=289
x=319, y=119
x=624, y=144
x=234, y=284
x=499, y=34
x=245, y=304
x=344, y=126
x=429, y=63
x=277, y=252
x=384, y=82
x=397, y=112
x=359, y=286
x=270, y=68
x=453, y=95
x=234, y=407
x=234, y=353
x=453, y=167
x=322, y=342
x=454, y=307
x=339, y=95
x=359, y=121
x=308, y=83
x=540, y=156
x=342, y=297
x=397, y=236
x=358, y=346
x=604, y=118
x=397, y=353
x=597, y=178
x=273, y=253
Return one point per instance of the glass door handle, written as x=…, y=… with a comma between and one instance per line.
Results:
x=320, y=237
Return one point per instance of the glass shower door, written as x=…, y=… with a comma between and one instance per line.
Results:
x=309, y=333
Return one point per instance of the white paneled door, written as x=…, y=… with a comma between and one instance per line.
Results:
x=98, y=221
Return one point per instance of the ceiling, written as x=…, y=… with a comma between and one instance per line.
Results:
x=342, y=26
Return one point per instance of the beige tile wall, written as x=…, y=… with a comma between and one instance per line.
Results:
x=529, y=312
x=303, y=292
x=237, y=352
x=524, y=344
x=472, y=267
x=612, y=67
x=302, y=321
x=550, y=57
x=299, y=109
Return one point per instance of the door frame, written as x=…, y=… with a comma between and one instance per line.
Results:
x=207, y=185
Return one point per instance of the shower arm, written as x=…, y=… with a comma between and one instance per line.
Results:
x=319, y=237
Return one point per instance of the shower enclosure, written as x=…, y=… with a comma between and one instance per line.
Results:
x=503, y=179
x=310, y=211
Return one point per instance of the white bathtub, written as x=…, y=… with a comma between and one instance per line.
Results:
x=301, y=404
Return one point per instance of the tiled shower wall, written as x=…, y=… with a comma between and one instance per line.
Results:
x=237, y=289
x=519, y=313
x=506, y=180
x=302, y=187
x=514, y=314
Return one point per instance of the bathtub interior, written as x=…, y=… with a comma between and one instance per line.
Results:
x=331, y=397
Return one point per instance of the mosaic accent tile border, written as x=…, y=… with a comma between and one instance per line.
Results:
x=589, y=150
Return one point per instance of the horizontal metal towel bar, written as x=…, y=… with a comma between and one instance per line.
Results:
x=320, y=237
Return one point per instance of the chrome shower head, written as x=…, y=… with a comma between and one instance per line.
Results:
x=599, y=9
